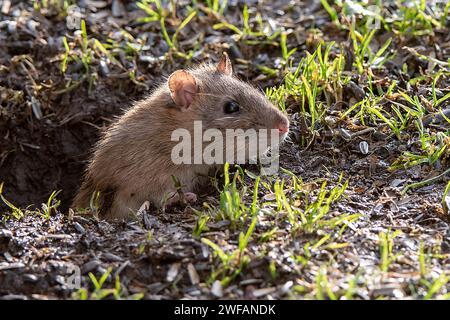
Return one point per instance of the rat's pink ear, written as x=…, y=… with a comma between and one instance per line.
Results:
x=224, y=65
x=182, y=87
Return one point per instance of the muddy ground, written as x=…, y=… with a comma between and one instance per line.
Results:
x=49, y=121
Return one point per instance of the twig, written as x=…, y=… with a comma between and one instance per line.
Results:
x=362, y=132
x=425, y=182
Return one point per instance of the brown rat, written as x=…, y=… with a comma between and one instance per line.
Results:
x=133, y=162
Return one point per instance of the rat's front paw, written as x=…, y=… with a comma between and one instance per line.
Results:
x=183, y=198
x=190, y=197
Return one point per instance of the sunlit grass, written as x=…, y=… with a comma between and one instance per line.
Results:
x=118, y=292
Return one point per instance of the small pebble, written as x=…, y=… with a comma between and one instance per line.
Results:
x=286, y=287
x=117, y=8
x=364, y=147
x=30, y=278
x=173, y=272
x=193, y=275
x=79, y=228
x=12, y=27
x=216, y=289
x=90, y=266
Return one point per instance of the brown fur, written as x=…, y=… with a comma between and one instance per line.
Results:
x=133, y=159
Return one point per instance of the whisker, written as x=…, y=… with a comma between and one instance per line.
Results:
x=210, y=95
x=225, y=118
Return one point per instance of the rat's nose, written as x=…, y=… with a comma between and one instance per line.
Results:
x=280, y=122
x=283, y=128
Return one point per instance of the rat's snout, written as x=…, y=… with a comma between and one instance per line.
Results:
x=282, y=124
x=283, y=128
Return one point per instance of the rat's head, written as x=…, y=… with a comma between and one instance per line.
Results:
x=239, y=119
x=222, y=101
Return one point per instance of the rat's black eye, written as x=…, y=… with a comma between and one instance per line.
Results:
x=231, y=107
